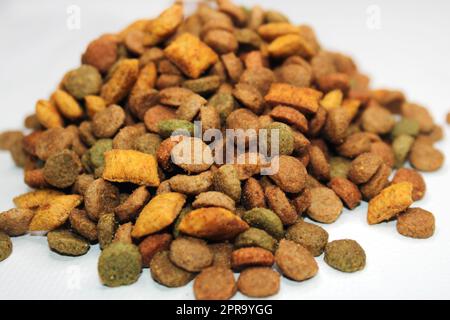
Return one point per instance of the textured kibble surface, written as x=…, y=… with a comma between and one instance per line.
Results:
x=199, y=142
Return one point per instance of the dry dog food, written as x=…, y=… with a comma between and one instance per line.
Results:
x=215, y=283
x=119, y=264
x=66, y=243
x=416, y=223
x=311, y=236
x=114, y=151
x=259, y=282
x=345, y=255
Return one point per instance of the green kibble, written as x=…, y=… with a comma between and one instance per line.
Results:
x=5, y=246
x=311, y=236
x=167, y=127
x=266, y=220
x=148, y=143
x=106, y=228
x=82, y=82
x=339, y=167
x=203, y=85
x=120, y=264
x=345, y=255
x=406, y=126
x=224, y=104
x=96, y=153
x=401, y=147
x=285, y=136
x=256, y=238
x=66, y=243
x=226, y=180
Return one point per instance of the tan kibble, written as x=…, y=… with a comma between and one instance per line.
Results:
x=295, y=261
x=48, y=115
x=67, y=105
x=416, y=223
x=302, y=99
x=325, y=207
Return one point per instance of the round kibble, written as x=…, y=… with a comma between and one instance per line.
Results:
x=226, y=180
x=325, y=207
x=15, y=222
x=311, y=236
x=281, y=135
x=347, y=191
x=6, y=246
x=295, y=261
x=345, y=255
x=168, y=274
x=291, y=175
x=259, y=282
x=416, y=223
x=119, y=265
x=215, y=283
x=153, y=244
x=415, y=178
x=107, y=122
x=82, y=82
x=62, y=169
x=425, y=157
x=190, y=254
x=66, y=243
x=364, y=167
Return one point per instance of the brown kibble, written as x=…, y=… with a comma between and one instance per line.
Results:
x=67, y=105
x=364, y=167
x=153, y=244
x=249, y=97
x=384, y=151
x=192, y=155
x=390, y=202
x=415, y=178
x=355, y=145
x=336, y=125
x=156, y=114
x=251, y=257
x=15, y=222
x=377, y=183
x=222, y=254
x=221, y=41
x=425, y=157
x=166, y=273
x=416, y=223
x=233, y=66
x=280, y=204
x=259, y=282
x=291, y=176
x=131, y=166
x=107, y=122
x=214, y=199
x=129, y=209
x=81, y=224
x=325, y=207
x=318, y=163
x=302, y=202
x=253, y=195
x=295, y=261
x=347, y=191
x=303, y=99
x=190, y=254
x=165, y=24
x=48, y=115
x=191, y=55
x=100, y=197
x=377, y=120
x=290, y=116
x=213, y=224
x=215, y=283
x=101, y=53
x=420, y=114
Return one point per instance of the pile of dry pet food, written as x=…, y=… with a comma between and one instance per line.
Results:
x=101, y=154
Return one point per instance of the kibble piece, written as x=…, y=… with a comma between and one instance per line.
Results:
x=390, y=202
x=121, y=82
x=127, y=210
x=154, y=115
x=377, y=183
x=302, y=99
x=55, y=213
x=190, y=254
x=318, y=163
x=97, y=152
x=82, y=82
x=311, y=236
x=251, y=257
x=291, y=175
x=191, y=55
x=384, y=151
x=107, y=122
x=127, y=136
x=302, y=201
x=355, y=145
x=119, y=265
x=253, y=195
x=167, y=128
x=345, y=255
x=266, y=220
x=213, y=224
x=190, y=108
x=289, y=45
x=148, y=143
x=159, y=213
x=279, y=203
x=62, y=169
x=279, y=136
x=81, y=224
x=326, y=207
x=101, y=53
x=131, y=166
x=295, y=261
x=226, y=180
x=6, y=246
x=416, y=223
x=36, y=199
x=336, y=125
x=420, y=114
x=290, y=116
x=364, y=167
x=377, y=120
x=94, y=104
x=256, y=238
x=406, y=126
x=15, y=222
x=214, y=199
x=166, y=273
x=339, y=167
x=48, y=115
x=100, y=197
x=259, y=282
x=192, y=185
x=215, y=283
x=415, y=178
x=192, y=155
x=249, y=97
x=401, y=147
x=165, y=24
x=221, y=254
x=347, y=191
x=106, y=229
x=424, y=157
x=202, y=85
x=153, y=244
x=66, y=243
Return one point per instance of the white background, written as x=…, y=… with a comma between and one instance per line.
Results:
x=410, y=51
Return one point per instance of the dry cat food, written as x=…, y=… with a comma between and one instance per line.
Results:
x=112, y=154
